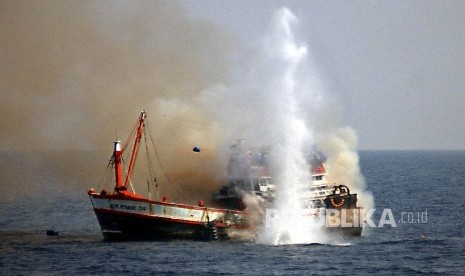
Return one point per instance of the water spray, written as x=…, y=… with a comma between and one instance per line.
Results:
x=292, y=172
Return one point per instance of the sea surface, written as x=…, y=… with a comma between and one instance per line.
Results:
x=34, y=197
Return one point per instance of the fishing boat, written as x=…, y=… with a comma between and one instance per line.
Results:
x=125, y=215
x=249, y=181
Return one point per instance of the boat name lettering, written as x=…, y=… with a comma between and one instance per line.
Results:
x=127, y=207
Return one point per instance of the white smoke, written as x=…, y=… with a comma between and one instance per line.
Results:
x=279, y=102
x=343, y=163
x=290, y=169
x=285, y=105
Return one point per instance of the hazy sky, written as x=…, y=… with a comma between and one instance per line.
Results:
x=398, y=67
x=73, y=71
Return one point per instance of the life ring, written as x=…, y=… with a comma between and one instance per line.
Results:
x=338, y=204
x=341, y=189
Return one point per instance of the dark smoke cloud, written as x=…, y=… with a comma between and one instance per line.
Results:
x=71, y=72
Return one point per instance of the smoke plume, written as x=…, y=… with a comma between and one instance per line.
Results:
x=343, y=163
x=75, y=74
x=73, y=71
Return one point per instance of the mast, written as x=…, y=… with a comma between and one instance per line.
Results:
x=117, y=153
x=135, y=149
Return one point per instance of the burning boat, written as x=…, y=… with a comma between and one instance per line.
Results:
x=249, y=177
x=125, y=215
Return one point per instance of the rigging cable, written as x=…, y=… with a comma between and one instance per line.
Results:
x=130, y=182
x=188, y=121
x=131, y=134
x=149, y=161
x=170, y=185
x=102, y=180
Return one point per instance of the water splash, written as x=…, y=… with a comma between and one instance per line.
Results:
x=289, y=162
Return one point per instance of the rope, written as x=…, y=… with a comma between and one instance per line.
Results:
x=149, y=164
x=125, y=169
x=170, y=186
x=102, y=185
x=187, y=121
x=130, y=137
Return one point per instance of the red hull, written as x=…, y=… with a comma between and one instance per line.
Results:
x=121, y=226
x=123, y=218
